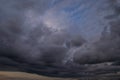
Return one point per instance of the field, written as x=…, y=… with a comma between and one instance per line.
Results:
x=4, y=75
x=26, y=76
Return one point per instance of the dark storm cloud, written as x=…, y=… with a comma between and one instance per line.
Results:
x=51, y=34
x=23, y=39
x=106, y=49
x=8, y=62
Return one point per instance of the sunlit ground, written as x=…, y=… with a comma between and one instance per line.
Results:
x=26, y=76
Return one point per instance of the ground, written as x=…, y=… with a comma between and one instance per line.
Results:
x=5, y=75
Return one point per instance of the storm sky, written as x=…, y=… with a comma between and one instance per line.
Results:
x=58, y=32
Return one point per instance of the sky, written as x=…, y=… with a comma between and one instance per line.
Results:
x=58, y=33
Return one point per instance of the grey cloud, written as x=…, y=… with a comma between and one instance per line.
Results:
x=37, y=35
x=104, y=50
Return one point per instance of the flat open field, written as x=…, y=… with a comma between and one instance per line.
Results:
x=26, y=76
x=5, y=75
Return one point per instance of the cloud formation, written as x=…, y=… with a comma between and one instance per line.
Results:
x=47, y=35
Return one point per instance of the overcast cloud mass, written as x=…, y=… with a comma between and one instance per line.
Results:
x=51, y=36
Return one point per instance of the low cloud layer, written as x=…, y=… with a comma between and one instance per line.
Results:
x=58, y=32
